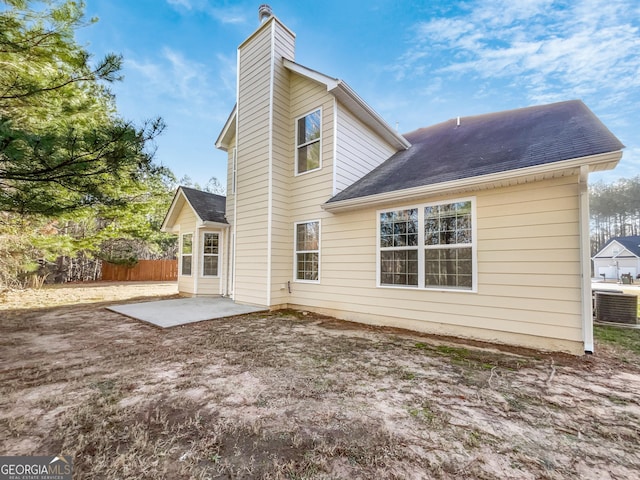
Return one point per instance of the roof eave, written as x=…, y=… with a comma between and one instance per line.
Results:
x=212, y=224
x=345, y=94
x=223, y=142
x=169, y=219
x=603, y=161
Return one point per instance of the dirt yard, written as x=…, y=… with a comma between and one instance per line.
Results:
x=289, y=395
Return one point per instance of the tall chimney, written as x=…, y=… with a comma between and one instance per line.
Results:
x=264, y=12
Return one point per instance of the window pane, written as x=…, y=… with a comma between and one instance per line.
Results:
x=309, y=157
x=210, y=243
x=186, y=265
x=307, y=266
x=187, y=242
x=448, y=224
x=309, y=128
x=399, y=267
x=307, y=235
x=210, y=265
x=399, y=228
x=448, y=267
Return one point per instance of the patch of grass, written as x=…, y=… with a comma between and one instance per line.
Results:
x=625, y=338
x=453, y=352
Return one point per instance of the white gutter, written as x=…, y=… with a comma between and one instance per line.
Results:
x=585, y=260
x=471, y=183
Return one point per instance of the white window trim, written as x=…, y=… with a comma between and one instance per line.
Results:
x=295, y=250
x=219, y=255
x=182, y=235
x=422, y=247
x=296, y=146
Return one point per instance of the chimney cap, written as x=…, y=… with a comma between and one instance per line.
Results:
x=264, y=12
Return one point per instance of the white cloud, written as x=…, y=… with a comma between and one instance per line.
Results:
x=572, y=49
x=233, y=15
x=188, y=86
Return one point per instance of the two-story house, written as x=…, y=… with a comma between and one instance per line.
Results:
x=477, y=227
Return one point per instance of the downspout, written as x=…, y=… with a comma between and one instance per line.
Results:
x=585, y=260
x=195, y=259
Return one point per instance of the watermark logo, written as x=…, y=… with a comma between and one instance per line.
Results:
x=56, y=467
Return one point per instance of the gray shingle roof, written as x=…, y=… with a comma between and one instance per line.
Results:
x=631, y=243
x=209, y=206
x=491, y=143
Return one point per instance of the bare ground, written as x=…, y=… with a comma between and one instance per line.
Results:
x=288, y=395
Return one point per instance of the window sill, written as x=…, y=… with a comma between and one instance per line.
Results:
x=428, y=289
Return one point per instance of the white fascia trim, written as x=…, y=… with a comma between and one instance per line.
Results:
x=229, y=129
x=371, y=117
x=471, y=183
x=209, y=224
x=342, y=91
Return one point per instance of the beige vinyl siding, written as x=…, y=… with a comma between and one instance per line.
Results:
x=358, y=150
x=264, y=148
x=252, y=184
x=528, y=272
x=310, y=190
x=186, y=222
x=282, y=160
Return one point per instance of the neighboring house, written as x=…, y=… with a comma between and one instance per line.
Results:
x=620, y=256
x=477, y=227
x=199, y=220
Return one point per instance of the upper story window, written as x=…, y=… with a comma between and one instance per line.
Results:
x=308, y=139
x=428, y=246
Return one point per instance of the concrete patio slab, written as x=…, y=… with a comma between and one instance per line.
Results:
x=181, y=311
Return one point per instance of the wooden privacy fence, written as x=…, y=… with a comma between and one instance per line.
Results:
x=159, y=270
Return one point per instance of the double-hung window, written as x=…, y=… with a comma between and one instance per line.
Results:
x=186, y=253
x=428, y=246
x=307, y=255
x=210, y=254
x=308, y=139
x=399, y=247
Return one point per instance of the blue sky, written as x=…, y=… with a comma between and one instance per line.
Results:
x=416, y=63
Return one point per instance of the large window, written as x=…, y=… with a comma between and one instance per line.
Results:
x=308, y=137
x=307, y=255
x=428, y=246
x=186, y=253
x=210, y=254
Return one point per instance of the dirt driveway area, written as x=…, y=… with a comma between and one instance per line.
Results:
x=288, y=395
